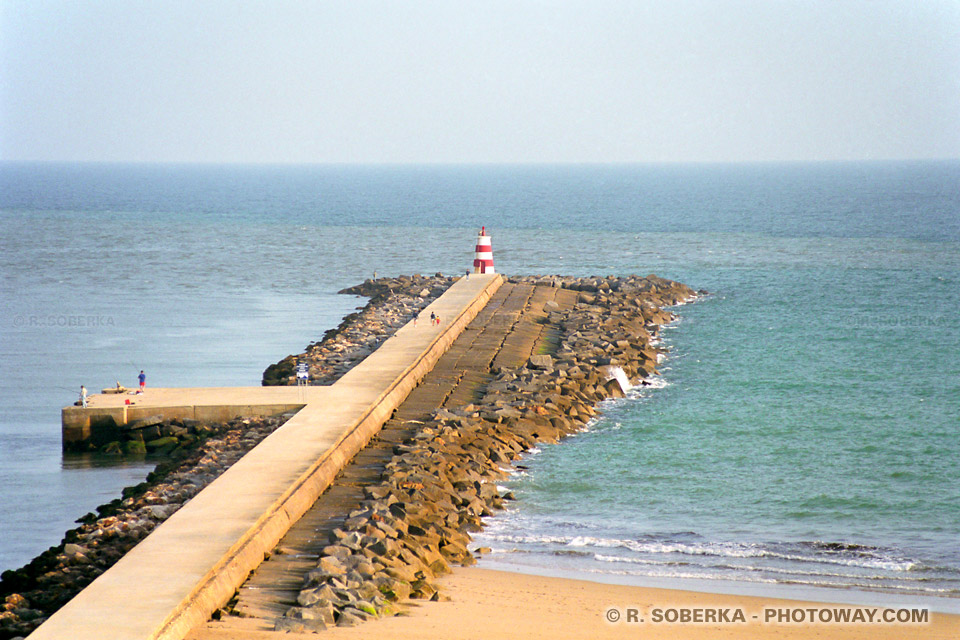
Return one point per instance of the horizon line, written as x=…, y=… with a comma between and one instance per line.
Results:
x=559, y=163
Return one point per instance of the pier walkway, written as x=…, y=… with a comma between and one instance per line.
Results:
x=505, y=333
x=193, y=563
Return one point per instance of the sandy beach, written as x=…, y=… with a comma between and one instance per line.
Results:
x=495, y=604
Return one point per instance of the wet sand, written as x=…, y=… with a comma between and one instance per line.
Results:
x=495, y=604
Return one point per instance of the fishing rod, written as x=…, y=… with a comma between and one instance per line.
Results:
x=74, y=390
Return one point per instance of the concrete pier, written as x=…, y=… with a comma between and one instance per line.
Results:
x=106, y=415
x=194, y=562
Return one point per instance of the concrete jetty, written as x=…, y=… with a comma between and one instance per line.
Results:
x=106, y=415
x=193, y=563
x=510, y=329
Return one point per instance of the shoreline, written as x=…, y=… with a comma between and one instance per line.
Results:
x=485, y=603
x=537, y=562
x=737, y=588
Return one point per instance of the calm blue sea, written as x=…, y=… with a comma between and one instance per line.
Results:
x=805, y=432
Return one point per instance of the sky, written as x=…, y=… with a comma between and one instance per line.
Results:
x=478, y=82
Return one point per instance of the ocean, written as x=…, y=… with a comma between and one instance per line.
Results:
x=803, y=436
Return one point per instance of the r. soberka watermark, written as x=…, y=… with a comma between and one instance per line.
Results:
x=767, y=615
x=908, y=320
x=63, y=320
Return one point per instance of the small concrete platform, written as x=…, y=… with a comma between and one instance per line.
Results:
x=201, y=396
x=194, y=562
x=106, y=414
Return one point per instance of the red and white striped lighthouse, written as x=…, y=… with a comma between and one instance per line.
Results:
x=483, y=262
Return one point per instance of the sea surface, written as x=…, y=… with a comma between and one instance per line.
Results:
x=804, y=433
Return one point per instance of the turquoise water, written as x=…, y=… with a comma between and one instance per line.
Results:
x=805, y=432
x=804, y=435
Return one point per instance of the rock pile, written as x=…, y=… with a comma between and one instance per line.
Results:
x=152, y=435
x=438, y=486
x=37, y=590
x=661, y=292
x=393, y=303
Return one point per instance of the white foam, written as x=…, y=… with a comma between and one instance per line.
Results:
x=761, y=569
x=868, y=563
x=754, y=578
x=655, y=382
x=599, y=557
x=716, y=549
x=685, y=575
x=827, y=574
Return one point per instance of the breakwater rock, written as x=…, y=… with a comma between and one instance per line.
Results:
x=151, y=435
x=416, y=523
x=393, y=303
x=37, y=590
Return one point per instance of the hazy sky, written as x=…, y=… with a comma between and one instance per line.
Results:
x=456, y=81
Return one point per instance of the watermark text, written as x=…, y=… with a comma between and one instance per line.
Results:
x=63, y=320
x=907, y=320
x=767, y=615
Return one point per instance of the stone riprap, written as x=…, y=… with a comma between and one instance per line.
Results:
x=417, y=521
x=38, y=589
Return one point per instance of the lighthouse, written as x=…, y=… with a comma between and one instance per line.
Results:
x=483, y=261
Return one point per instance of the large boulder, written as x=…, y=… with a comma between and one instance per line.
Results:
x=540, y=362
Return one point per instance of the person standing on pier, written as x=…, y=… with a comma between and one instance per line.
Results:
x=143, y=380
x=83, y=396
